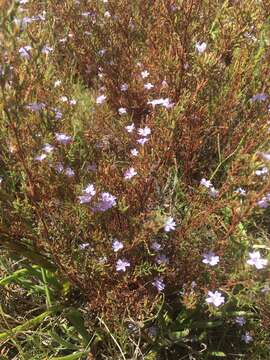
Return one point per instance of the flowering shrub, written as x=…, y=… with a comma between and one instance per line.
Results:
x=135, y=164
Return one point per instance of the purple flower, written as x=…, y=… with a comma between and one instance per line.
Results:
x=48, y=148
x=121, y=265
x=88, y=194
x=148, y=86
x=262, y=171
x=169, y=225
x=106, y=202
x=144, y=131
x=40, y=157
x=59, y=167
x=134, y=152
x=210, y=258
x=117, y=245
x=206, y=183
x=122, y=111
x=265, y=156
x=84, y=246
x=259, y=97
x=69, y=172
x=163, y=102
x=25, y=51
x=35, y=106
x=215, y=298
x=155, y=246
x=142, y=141
x=159, y=284
x=240, y=191
x=63, y=138
x=256, y=260
x=130, y=128
x=201, y=47
x=144, y=74
x=162, y=259
x=247, y=338
x=240, y=320
x=46, y=49
x=124, y=87
x=129, y=173
x=100, y=99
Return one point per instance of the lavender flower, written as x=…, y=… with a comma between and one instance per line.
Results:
x=122, y=111
x=130, y=128
x=247, y=338
x=25, y=51
x=48, y=148
x=162, y=259
x=215, y=298
x=63, y=138
x=117, y=245
x=142, y=141
x=144, y=74
x=88, y=194
x=144, y=131
x=100, y=99
x=210, y=258
x=256, y=260
x=106, y=202
x=134, y=152
x=159, y=284
x=201, y=47
x=240, y=320
x=169, y=225
x=129, y=173
x=121, y=265
x=124, y=87
x=148, y=86
x=155, y=246
x=69, y=172
x=40, y=157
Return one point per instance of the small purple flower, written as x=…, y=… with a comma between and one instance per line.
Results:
x=240, y=320
x=88, y=194
x=215, y=298
x=124, y=87
x=142, y=141
x=206, y=183
x=247, y=338
x=240, y=191
x=84, y=246
x=69, y=172
x=121, y=265
x=122, y=111
x=144, y=74
x=148, y=86
x=256, y=260
x=262, y=171
x=159, y=284
x=46, y=50
x=144, y=131
x=63, y=138
x=169, y=225
x=265, y=156
x=259, y=97
x=100, y=99
x=156, y=246
x=35, y=107
x=117, y=245
x=40, y=157
x=25, y=51
x=210, y=258
x=130, y=128
x=106, y=202
x=129, y=173
x=162, y=259
x=201, y=47
x=48, y=148
x=134, y=152
x=59, y=167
